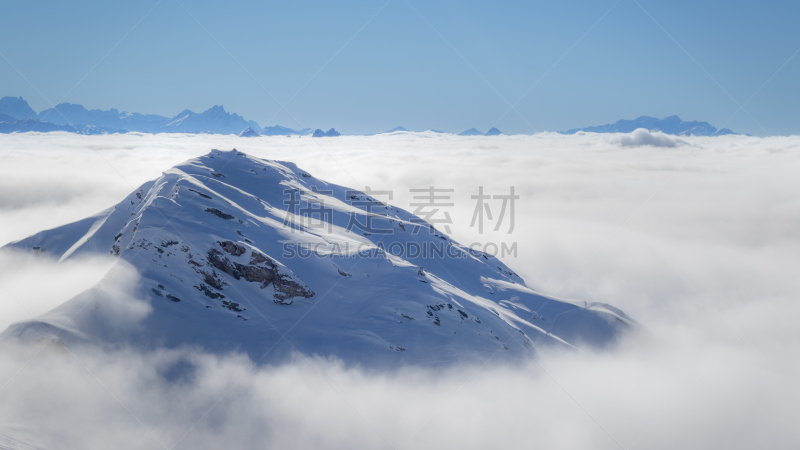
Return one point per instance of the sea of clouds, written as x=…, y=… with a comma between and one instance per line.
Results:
x=696, y=238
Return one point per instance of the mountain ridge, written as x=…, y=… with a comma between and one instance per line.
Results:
x=76, y=118
x=226, y=272
x=669, y=125
x=69, y=117
x=17, y=108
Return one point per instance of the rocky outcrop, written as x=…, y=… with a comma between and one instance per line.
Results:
x=261, y=269
x=233, y=249
x=219, y=213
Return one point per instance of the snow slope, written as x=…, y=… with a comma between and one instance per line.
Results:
x=222, y=266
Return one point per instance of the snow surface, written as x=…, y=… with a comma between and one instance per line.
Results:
x=209, y=241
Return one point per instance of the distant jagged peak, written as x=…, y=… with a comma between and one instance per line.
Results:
x=248, y=132
x=17, y=108
x=77, y=117
x=330, y=133
x=216, y=111
x=476, y=132
x=254, y=125
x=396, y=129
x=471, y=132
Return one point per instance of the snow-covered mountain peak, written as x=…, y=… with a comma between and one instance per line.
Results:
x=238, y=253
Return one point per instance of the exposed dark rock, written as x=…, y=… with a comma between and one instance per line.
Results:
x=173, y=298
x=219, y=213
x=212, y=279
x=285, y=287
x=218, y=260
x=232, y=248
x=288, y=289
x=209, y=293
x=233, y=306
x=200, y=193
x=258, y=258
x=256, y=274
x=343, y=273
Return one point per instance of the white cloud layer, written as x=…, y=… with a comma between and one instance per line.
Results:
x=698, y=242
x=643, y=136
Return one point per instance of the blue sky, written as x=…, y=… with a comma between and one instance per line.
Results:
x=449, y=65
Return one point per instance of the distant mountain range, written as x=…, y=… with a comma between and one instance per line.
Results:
x=471, y=132
x=401, y=129
x=17, y=116
x=474, y=132
x=16, y=107
x=25, y=125
x=278, y=130
x=669, y=125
